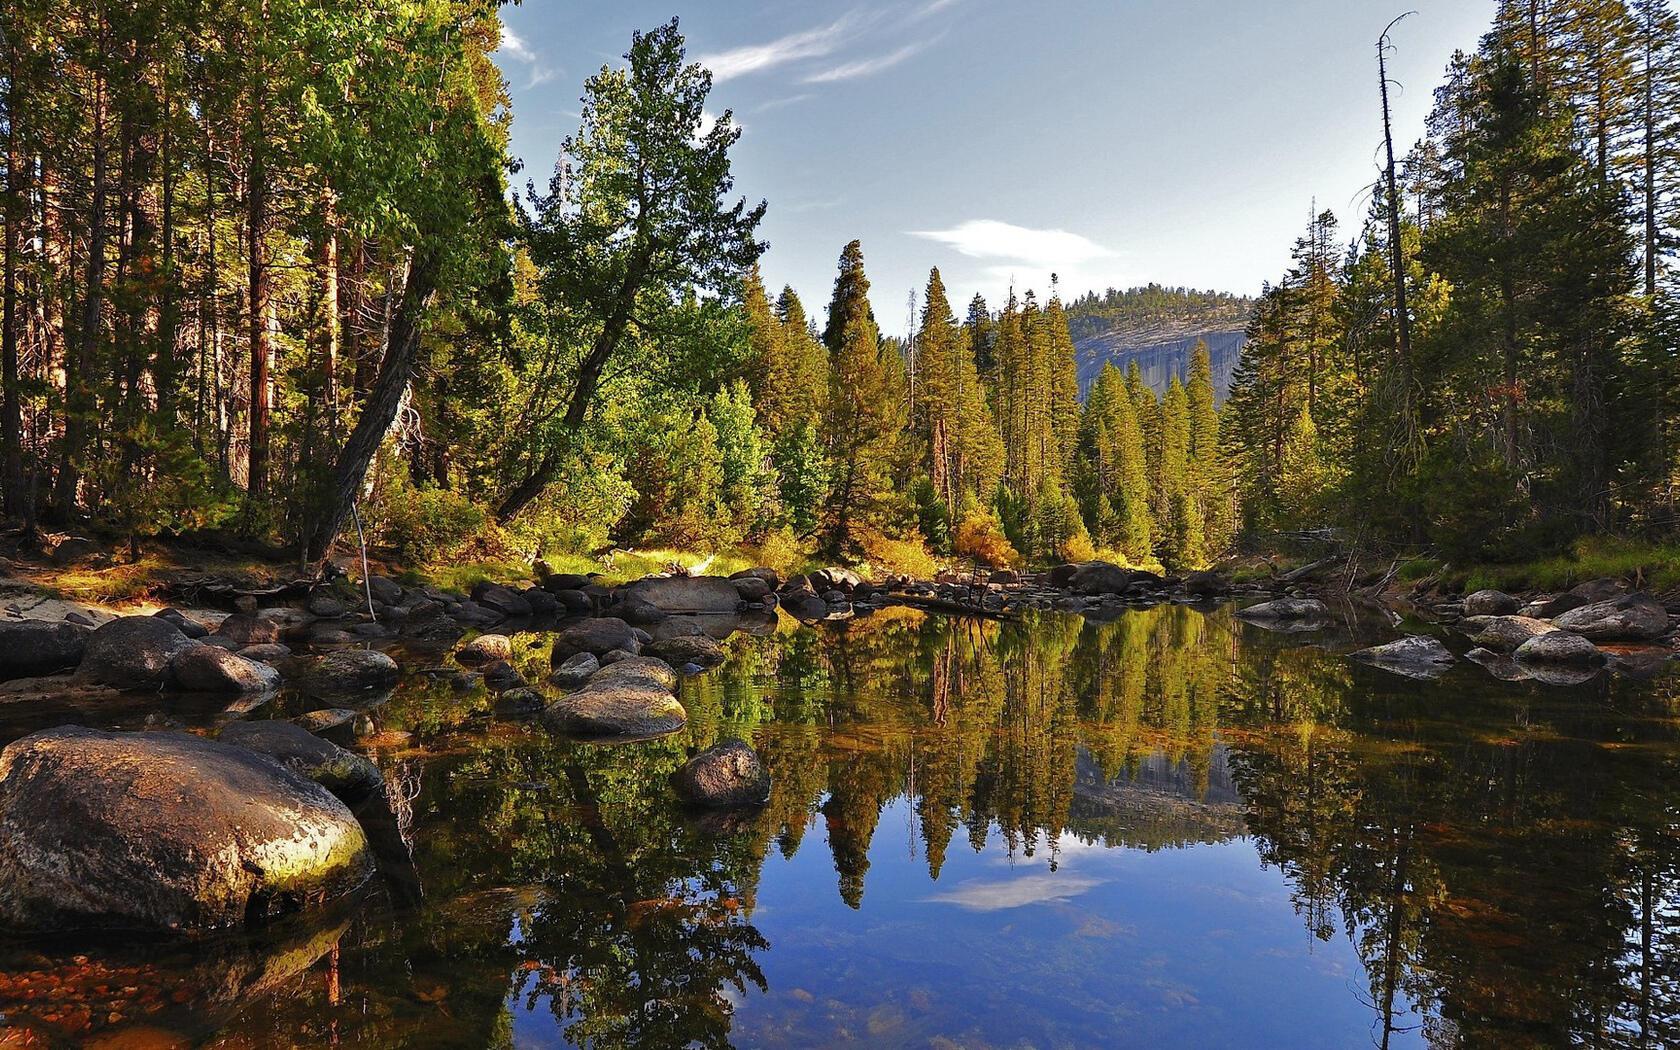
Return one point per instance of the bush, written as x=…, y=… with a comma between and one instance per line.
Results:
x=428, y=524
x=980, y=537
x=893, y=556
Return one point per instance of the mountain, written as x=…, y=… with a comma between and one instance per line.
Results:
x=1158, y=328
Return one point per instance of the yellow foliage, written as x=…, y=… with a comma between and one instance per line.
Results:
x=890, y=556
x=980, y=536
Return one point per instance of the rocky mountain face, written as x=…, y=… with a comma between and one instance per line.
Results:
x=1161, y=356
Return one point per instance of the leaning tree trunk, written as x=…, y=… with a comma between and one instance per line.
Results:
x=380, y=409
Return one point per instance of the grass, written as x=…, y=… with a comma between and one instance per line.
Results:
x=1652, y=566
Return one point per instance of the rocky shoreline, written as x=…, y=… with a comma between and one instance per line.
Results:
x=177, y=833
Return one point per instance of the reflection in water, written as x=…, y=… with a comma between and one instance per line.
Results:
x=1171, y=826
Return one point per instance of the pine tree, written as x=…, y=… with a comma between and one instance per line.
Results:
x=1210, y=484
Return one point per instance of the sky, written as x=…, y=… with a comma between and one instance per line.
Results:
x=1112, y=142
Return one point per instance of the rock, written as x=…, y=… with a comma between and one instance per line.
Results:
x=349, y=776
x=574, y=603
x=752, y=589
x=164, y=832
x=700, y=650
x=504, y=600
x=326, y=636
x=36, y=647
x=1503, y=634
x=729, y=774
x=485, y=648
x=501, y=677
x=373, y=630
x=385, y=590
x=75, y=549
x=1635, y=618
x=326, y=606
x=349, y=671
x=247, y=629
x=1283, y=610
x=638, y=611
x=520, y=703
x=594, y=636
x=268, y=654
x=1414, y=657
x=541, y=602
x=1101, y=577
x=770, y=577
x=212, y=669
x=1206, y=585
x=1491, y=603
x=183, y=623
x=1005, y=578
x=804, y=605
x=575, y=670
x=1591, y=592
x=835, y=578
x=1500, y=665
x=133, y=652
x=565, y=581
x=1062, y=575
x=684, y=594
x=1559, y=647
x=82, y=619
x=609, y=708
x=336, y=724
x=637, y=669
x=615, y=655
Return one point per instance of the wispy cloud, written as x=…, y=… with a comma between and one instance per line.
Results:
x=537, y=70
x=991, y=239
x=866, y=67
x=819, y=42
x=982, y=895
x=935, y=7
x=781, y=103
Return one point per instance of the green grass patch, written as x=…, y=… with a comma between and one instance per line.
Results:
x=1652, y=566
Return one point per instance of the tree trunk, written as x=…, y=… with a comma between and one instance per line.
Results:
x=11, y=407
x=401, y=352
x=81, y=360
x=257, y=305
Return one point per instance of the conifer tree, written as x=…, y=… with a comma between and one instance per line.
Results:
x=1209, y=478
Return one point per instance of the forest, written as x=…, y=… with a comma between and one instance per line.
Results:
x=270, y=271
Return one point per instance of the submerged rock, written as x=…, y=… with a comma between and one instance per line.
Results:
x=35, y=647
x=594, y=636
x=1415, y=657
x=697, y=649
x=349, y=671
x=519, y=703
x=350, y=777
x=164, y=832
x=729, y=774
x=1504, y=633
x=337, y=724
x=1635, y=618
x=133, y=652
x=1500, y=665
x=212, y=669
x=1559, y=647
x=1284, y=610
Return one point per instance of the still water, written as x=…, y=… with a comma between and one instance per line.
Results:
x=1171, y=829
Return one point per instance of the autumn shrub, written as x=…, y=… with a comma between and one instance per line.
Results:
x=980, y=537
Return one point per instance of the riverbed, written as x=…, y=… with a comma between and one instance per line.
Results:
x=1173, y=828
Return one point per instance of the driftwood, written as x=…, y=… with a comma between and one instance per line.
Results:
x=1306, y=571
x=198, y=589
x=922, y=601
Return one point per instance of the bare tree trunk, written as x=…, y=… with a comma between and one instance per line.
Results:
x=81, y=360
x=257, y=306
x=11, y=407
x=401, y=352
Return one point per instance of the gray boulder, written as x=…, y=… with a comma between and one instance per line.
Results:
x=1635, y=618
x=36, y=647
x=327, y=606
x=700, y=650
x=835, y=578
x=1415, y=657
x=133, y=652
x=752, y=589
x=183, y=623
x=1490, y=603
x=485, y=648
x=611, y=708
x=729, y=774
x=504, y=600
x=573, y=602
x=1559, y=647
x=212, y=669
x=386, y=591
x=575, y=671
x=770, y=577
x=1284, y=610
x=685, y=594
x=349, y=776
x=268, y=654
x=248, y=629
x=594, y=636
x=643, y=669
x=1503, y=634
x=1591, y=592
x=1101, y=577
x=164, y=832
x=341, y=726
x=348, y=671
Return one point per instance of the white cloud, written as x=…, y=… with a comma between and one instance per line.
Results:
x=819, y=42
x=935, y=7
x=1037, y=249
x=866, y=67
x=981, y=895
x=515, y=47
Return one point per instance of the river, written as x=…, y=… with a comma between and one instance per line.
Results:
x=1170, y=829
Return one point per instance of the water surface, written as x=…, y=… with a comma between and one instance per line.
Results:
x=1171, y=829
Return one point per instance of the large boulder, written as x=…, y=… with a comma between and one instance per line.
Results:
x=504, y=600
x=575, y=671
x=729, y=774
x=685, y=594
x=1635, y=618
x=1559, y=647
x=770, y=577
x=631, y=707
x=1415, y=657
x=1286, y=610
x=385, y=590
x=349, y=776
x=249, y=630
x=804, y=605
x=752, y=589
x=1503, y=634
x=485, y=649
x=35, y=647
x=639, y=611
x=599, y=637
x=573, y=602
x=1490, y=603
x=133, y=652
x=835, y=578
x=1591, y=592
x=682, y=650
x=348, y=671
x=184, y=623
x=643, y=669
x=164, y=832
x=212, y=669
x=1206, y=585
x=1101, y=577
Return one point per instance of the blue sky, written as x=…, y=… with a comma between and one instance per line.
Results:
x=1116, y=142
